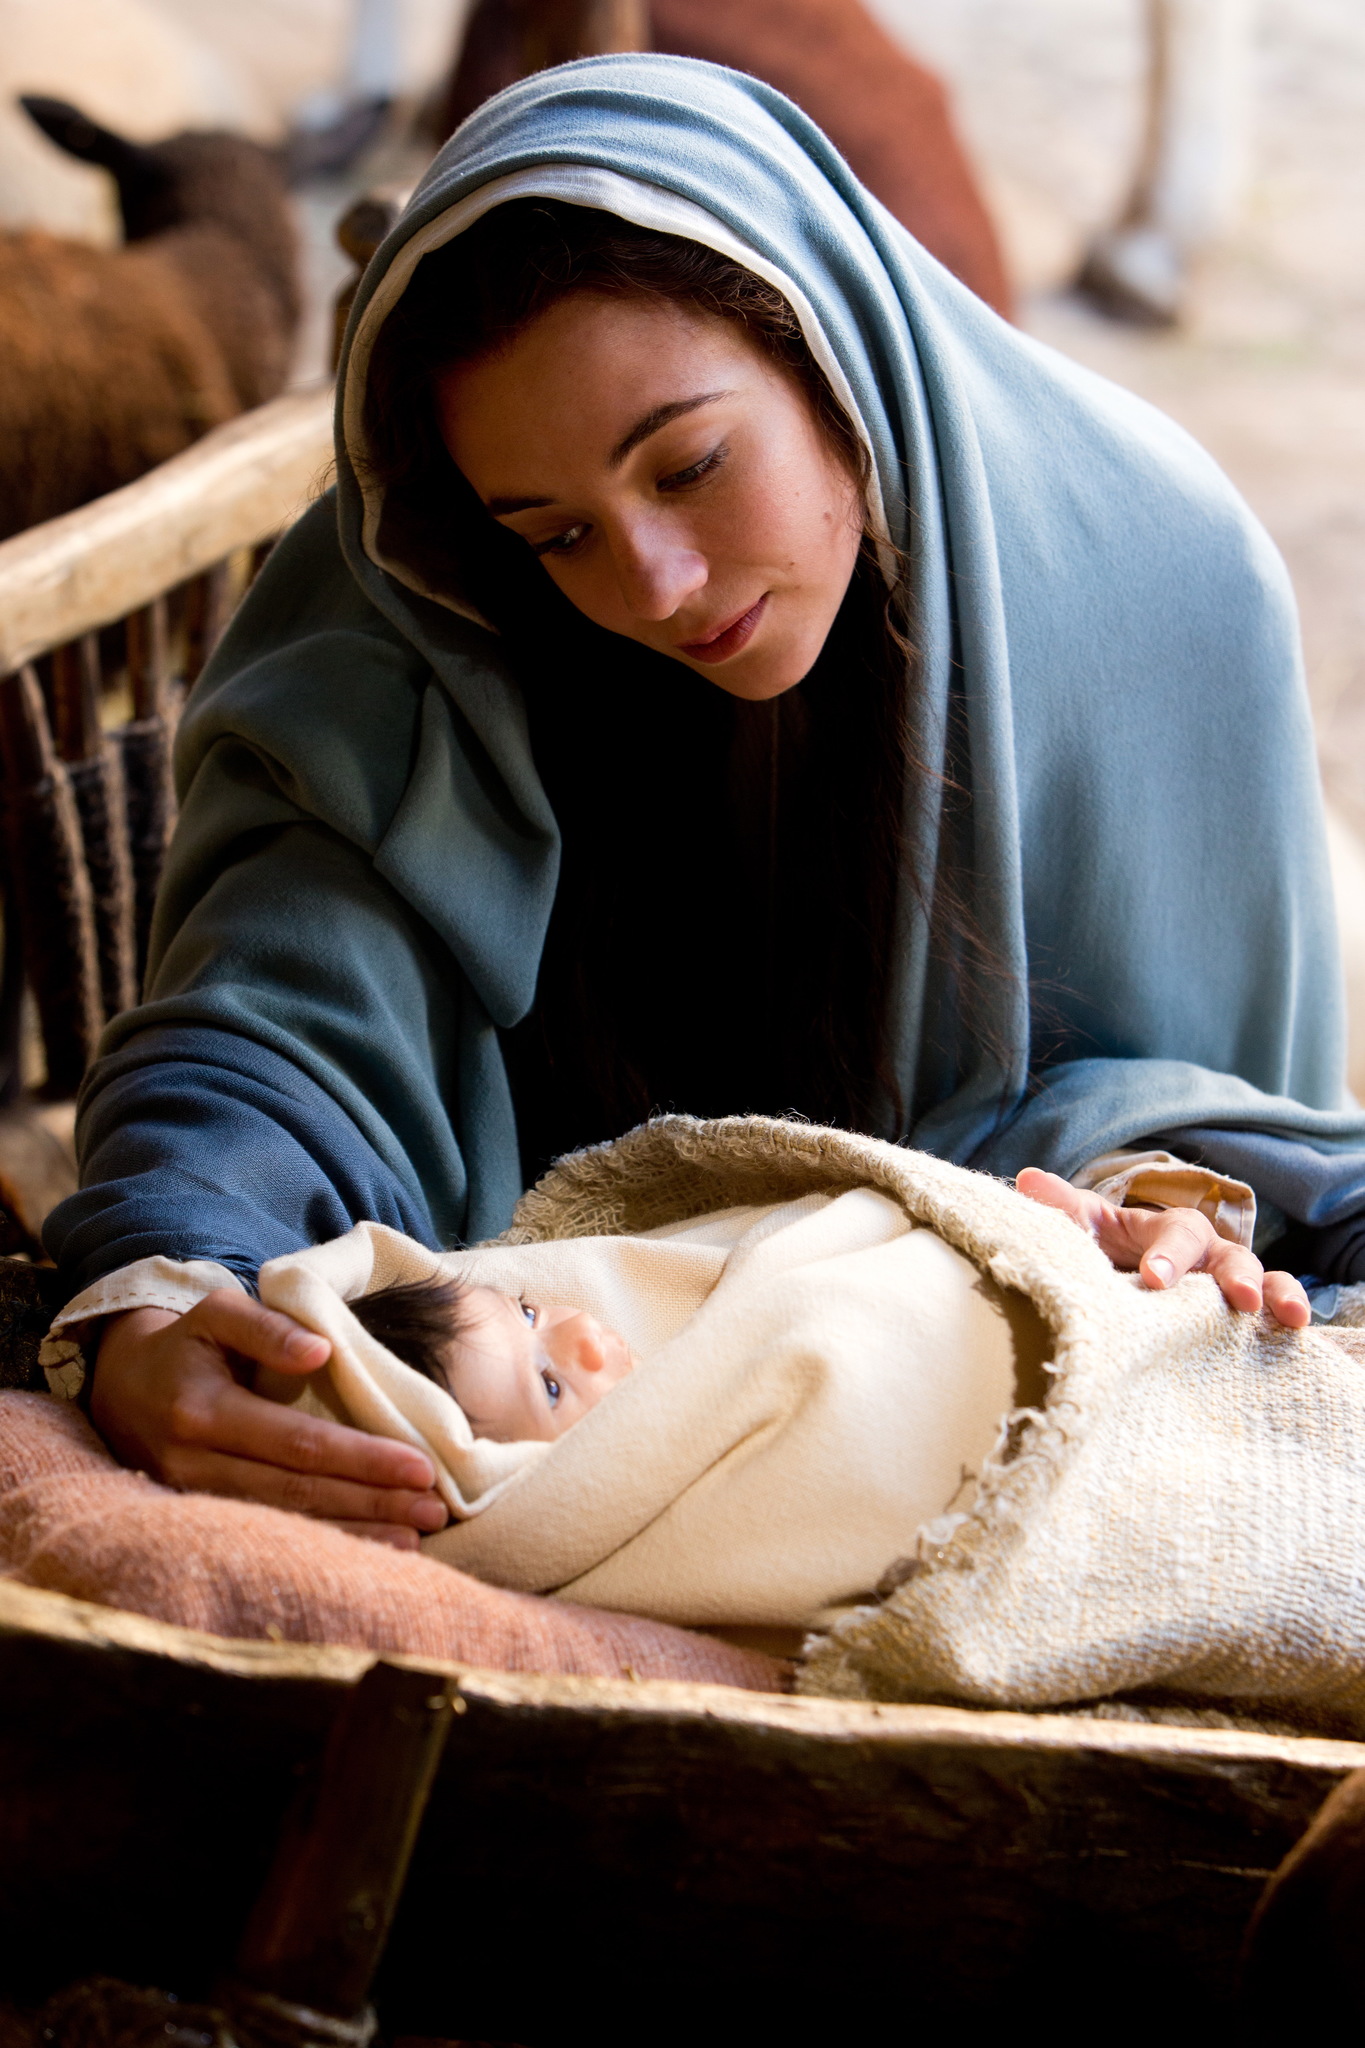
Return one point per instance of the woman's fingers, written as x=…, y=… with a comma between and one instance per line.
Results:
x=1287, y=1302
x=198, y=1469
x=245, y=1326
x=1055, y=1193
x=1173, y=1242
x=241, y=1422
x=165, y=1398
x=1121, y=1234
x=225, y=1417
x=1243, y=1279
x=1166, y=1244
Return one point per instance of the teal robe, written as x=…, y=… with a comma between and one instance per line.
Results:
x=366, y=861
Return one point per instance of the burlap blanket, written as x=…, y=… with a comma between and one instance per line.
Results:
x=1182, y=1519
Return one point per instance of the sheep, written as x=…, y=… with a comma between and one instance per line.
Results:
x=128, y=63
x=113, y=360
x=258, y=68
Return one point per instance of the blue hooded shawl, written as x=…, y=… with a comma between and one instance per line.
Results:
x=363, y=873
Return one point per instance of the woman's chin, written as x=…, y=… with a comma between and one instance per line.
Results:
x=759, y=674
x=779, y=656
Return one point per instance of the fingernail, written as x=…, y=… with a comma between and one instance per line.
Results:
x=1161, y=1270
x=299, y=1343
x=428, y=1514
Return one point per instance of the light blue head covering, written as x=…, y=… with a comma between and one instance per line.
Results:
x=1109, y=672
x=1093, y=602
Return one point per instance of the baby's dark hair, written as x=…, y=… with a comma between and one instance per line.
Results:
x=417, y=1322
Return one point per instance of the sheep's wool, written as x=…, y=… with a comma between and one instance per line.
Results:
x=1181, y=1518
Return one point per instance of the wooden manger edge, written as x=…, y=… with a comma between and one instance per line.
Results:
x=31, y=1611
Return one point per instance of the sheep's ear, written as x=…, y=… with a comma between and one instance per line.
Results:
x=81, y=137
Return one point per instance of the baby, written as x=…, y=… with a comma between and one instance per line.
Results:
x=520, y=1372
x=810, y=1382
x=796, y=1387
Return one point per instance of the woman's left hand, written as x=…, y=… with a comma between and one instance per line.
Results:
x=1165, y=1244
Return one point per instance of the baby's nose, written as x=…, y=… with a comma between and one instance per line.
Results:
x=587, y=1344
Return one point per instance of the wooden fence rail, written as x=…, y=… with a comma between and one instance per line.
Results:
x=107, y=615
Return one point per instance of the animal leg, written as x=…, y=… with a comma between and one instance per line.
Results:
x=1191, y=163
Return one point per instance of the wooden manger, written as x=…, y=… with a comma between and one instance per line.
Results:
x=649, y=1863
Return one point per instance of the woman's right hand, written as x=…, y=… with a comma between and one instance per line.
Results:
x=168, y=1399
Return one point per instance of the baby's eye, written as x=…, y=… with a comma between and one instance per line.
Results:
x=531, y=1314
x=552, y=1388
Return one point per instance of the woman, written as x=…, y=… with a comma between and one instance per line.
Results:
x=738, y=672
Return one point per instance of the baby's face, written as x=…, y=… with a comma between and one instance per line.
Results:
x=520, y=1371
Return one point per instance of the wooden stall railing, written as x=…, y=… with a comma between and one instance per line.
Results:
x=107, y=615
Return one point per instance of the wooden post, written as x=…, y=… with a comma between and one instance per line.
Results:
x=504, y=40
x=11, y=992
x=146, y=744
x=208, y=607
x=359, y=232
x=149, y=660
x=314, y=1940
x=94, y=766
x=50, y=884
x=76, y=698
x=557, y=31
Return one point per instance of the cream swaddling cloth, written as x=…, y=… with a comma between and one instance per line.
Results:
x=628, y=1282
x=819, y=1378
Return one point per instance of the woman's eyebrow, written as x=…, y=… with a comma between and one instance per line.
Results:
x=500, y=507
x=660, y=417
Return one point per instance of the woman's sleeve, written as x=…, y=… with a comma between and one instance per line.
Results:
x=315, y=1048
x=1306, y=1166
x=200, y=1144
x=308, y=1055
x=1312, y=1202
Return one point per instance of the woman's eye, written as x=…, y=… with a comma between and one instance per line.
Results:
x=681, y=478
x=552, y=1388
x=561, y=543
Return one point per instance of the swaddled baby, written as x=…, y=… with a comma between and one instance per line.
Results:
x=521, y=1371
x=741, y=1419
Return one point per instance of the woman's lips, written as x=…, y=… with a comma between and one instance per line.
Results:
x=730, y=638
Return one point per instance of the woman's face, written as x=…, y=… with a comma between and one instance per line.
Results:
x=674, y=482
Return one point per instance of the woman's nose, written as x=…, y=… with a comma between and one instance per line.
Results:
x=656, y=572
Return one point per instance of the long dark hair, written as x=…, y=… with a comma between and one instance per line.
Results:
x=664, y=785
